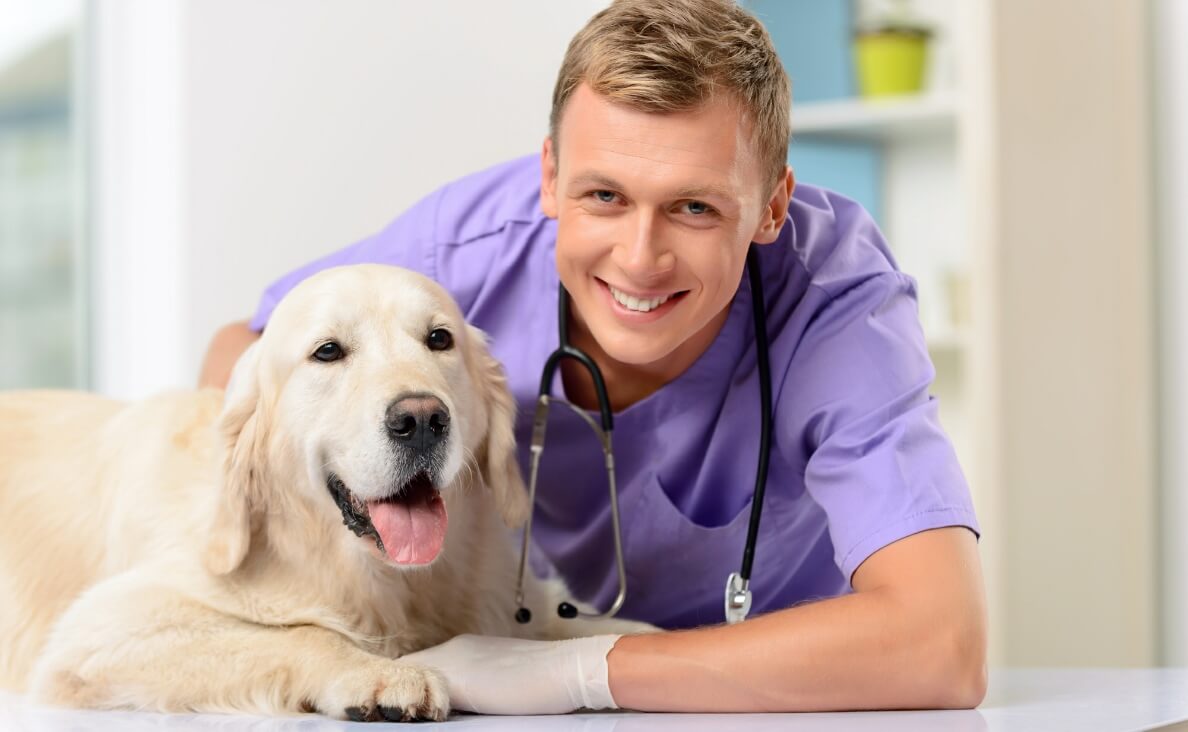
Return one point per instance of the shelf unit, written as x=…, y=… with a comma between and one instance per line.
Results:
x=879, y=120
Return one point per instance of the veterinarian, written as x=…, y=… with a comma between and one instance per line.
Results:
x=665, y=161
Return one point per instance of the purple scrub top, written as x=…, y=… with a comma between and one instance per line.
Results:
x=858, y=460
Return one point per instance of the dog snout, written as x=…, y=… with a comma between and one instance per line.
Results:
x=418, y=421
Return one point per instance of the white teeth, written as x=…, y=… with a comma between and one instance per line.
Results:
x=636, y=304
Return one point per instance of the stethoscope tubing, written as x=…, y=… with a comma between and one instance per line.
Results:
x=759, y=318
x=738, y=597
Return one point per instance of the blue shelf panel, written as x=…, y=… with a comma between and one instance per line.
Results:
x=854, y=169
x=813, y=39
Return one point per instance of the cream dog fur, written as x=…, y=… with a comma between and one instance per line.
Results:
x=187, y=553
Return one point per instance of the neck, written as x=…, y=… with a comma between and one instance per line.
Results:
x=628, y=383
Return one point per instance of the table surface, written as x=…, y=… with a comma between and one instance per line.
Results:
x=1086, y=700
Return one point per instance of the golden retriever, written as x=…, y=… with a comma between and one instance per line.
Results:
x=276, y=548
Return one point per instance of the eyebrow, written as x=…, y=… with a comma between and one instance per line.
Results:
x=598, y=179
x=595, y=179
x=705, y=191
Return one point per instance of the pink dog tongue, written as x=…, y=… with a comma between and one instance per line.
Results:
x=412, y=528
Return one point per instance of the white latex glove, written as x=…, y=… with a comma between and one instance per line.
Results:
x=492, y=675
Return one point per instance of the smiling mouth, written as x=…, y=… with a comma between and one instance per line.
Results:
x=408, y=526
x=636, y=304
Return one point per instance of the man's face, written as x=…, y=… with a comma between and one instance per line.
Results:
x=655, y=213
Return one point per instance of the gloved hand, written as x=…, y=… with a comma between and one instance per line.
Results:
x=493, y=675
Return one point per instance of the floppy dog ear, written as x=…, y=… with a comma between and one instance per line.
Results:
x=497, y=455
x=240, y=434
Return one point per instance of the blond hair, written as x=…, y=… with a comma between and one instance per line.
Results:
x=675, y=55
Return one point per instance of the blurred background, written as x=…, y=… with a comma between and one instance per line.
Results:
x=162, y=161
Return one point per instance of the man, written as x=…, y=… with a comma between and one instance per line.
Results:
x=665, y=161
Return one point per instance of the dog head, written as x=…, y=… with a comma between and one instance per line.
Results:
x=370, y=396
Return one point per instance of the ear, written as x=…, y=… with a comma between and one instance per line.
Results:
x=240, y=434
x=497, y=454
x=776, y=210
x=548, y=179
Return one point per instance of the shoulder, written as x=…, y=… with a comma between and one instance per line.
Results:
x=829, y=243
x=487, y=202
x=460, y=235
x=836, y=299
x=846, y=341
x=491, y=237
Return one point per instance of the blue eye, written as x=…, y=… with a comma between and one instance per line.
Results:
x=605, y=196
x=697, y=207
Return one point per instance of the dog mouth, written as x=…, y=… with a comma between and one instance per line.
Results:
x=408, y=526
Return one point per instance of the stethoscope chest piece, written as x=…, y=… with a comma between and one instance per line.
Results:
x=738, y=598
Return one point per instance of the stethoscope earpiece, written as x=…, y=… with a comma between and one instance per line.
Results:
x=523, y=616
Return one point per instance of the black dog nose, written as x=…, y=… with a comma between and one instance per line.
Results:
x=419, y=421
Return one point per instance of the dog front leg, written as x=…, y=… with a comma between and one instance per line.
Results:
x=129, y=644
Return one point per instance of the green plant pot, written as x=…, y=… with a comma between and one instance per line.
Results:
x=890, y=62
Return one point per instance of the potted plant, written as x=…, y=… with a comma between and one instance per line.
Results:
x=891, y=51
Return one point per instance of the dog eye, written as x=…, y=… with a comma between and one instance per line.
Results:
x=439, y=340
x=328, y=352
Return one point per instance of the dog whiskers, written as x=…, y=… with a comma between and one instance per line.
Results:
x=469, y=464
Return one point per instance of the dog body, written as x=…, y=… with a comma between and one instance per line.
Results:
x=276, y=548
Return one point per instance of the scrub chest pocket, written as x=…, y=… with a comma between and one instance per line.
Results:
x=677, y=569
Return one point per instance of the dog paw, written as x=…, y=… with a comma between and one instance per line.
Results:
x=581, y=626
x=386, y=691
x=630, y=627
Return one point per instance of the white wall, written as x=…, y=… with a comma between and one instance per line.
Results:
x=27, y=24
x=138, y=243
x=238, y=140
x=1170, y=30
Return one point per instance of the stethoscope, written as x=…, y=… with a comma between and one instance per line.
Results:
x=738, y=593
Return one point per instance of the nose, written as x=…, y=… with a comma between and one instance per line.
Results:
x=642, y=253
x=417, y=421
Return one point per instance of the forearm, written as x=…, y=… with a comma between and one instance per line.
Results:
x=225, y=348
x=912, y=636
x=867, y=650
